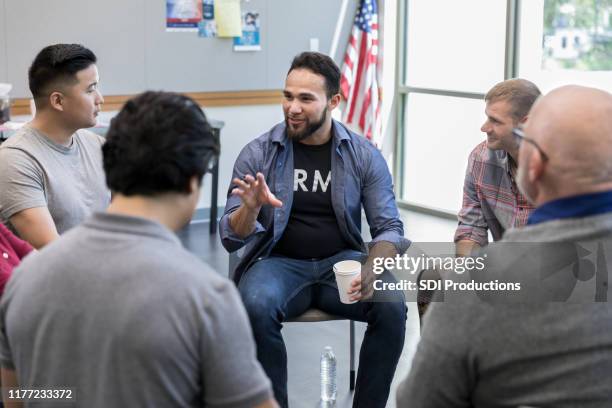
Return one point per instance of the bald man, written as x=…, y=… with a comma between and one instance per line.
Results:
x=549, y=342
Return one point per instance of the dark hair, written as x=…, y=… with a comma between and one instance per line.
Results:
x=520, y=93
x=319, y=64
x=56, y=64
x=156, y=144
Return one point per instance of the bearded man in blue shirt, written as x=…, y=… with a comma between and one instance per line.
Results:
x=295, y=202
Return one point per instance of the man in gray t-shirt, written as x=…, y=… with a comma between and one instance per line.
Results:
x=36, y=172
x=116, y=309
x=51, y=174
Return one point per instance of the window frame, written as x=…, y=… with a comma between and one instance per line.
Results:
x=403, y=92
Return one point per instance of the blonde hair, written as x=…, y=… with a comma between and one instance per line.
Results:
x=521, y=94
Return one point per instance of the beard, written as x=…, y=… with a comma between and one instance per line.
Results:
x=309, y=128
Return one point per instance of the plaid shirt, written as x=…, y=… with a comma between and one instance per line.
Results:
x=491, y=199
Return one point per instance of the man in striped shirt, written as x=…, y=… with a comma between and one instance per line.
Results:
x=491, y=199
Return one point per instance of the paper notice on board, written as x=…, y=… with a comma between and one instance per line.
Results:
x=228, y=18
x=183, y=15
x=250, y=39
x=207, y=28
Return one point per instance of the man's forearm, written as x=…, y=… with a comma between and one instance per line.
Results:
x=465, y=247
x=9, y=380
x=382, y=249
x=271, y=403
x=243, y=221
x=35, y=225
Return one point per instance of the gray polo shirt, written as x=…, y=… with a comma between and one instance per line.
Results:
x=120, y=311
x=36, y=172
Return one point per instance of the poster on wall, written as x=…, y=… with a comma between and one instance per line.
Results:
x=227, y=16
x=183, y=15
x=207, y=28
x=250, y=39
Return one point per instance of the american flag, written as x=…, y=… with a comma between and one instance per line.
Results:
x=359, y=83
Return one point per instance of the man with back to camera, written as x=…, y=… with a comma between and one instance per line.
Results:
x=51, y=174
x=116, y=308
x=295, y=200
x=547, y=345
x=491, y=200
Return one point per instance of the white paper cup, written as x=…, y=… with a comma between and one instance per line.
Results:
x=346, y=272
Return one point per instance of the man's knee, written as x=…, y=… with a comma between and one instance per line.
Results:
x=261, y=301
x=391, y=315
x=398, y=311
x=258, y=301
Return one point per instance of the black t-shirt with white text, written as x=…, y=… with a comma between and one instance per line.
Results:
x=312, y=230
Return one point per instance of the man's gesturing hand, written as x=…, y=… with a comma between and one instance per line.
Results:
x=255, y=193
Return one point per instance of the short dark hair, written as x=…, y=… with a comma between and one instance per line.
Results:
x=56, y=64
x=520, y=93
x=319, y=64
x=156, y=144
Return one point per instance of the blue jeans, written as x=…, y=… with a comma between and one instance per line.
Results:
x=275, y=289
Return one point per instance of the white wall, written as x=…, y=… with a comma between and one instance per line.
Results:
x=242, y=124
x=135, y=53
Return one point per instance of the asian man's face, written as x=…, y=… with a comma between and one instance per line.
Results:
x=82, y=101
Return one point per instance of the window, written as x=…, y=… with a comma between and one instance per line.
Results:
x=566, y=42
x=451, y=46
x=452, y=52
x=443, y=130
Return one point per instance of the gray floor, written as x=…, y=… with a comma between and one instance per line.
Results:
x=305, y=341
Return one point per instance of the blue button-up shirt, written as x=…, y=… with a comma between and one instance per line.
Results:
x=359, y=177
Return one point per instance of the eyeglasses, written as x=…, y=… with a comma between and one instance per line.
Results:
x=520, y=135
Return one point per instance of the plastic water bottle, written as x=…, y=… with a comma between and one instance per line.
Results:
x=328, y=375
